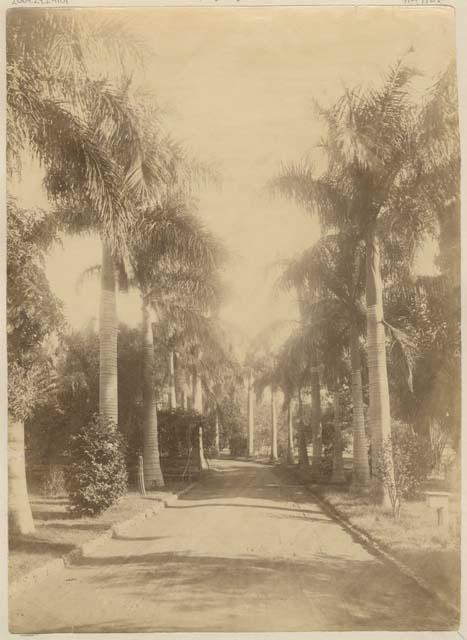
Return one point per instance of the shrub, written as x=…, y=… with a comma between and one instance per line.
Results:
x=178, y=429
x=97, y=476
x=402, y=466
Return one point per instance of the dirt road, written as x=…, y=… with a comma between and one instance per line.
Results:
x=246, y=550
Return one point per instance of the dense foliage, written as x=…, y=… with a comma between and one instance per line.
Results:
x=97, y=475
x=403, y=465
x=34, y=313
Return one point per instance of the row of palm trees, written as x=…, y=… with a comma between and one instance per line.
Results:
x=391, y=180
x=111, y=169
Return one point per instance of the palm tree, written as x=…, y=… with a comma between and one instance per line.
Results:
x=263, y=359
x=307, y=304
x=292, y=372
x=251, y=414
x=333, y=271
x=290, y=433
x=52, y=109
x=315, y=414
x=33, y=316
x=298, y=378
x=338, y=476
x=211, y=365
x=303, y=460
x=372, y=184
x=274, y=456
x=333, y=342
x=172, y=388
x=153, y=477
x=47, y=86
x=85, y=132
x=174, y=261
x=281, y=361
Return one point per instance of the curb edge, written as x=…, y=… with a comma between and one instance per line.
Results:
x=58, y=564
x=367, y=540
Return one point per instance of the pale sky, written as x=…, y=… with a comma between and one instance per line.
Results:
x=238, y=85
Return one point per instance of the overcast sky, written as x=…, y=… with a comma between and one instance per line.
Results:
x=238, y=85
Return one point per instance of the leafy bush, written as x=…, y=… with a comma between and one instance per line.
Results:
x=178, y=429
x=402, y=466
x=97, y=476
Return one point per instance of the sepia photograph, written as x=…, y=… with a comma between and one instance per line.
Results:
x=233, y=319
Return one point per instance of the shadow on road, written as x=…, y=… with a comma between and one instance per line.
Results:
x=246, y=480
x=37, y=545
x=345, y=594
x=238, y=505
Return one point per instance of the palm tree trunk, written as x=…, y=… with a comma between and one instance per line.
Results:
x=251, y=417
x=338, y=461
x=151, y=459
x=273, y=427
x=315, y=417
x=185, y=397
x=188, y=393
x=20, y=520
x=361, y=469
x=217, y=437
x=108, y=376
x=379, y=414
x=290, y=439
x=173, y=395
x=198, y=406
x=302, y=448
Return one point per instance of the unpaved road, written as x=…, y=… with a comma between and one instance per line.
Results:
x=246, y=550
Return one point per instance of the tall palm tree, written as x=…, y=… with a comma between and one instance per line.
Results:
x=277, y=360
x=49, y=93
x=174, y=261
x=307, y=305
x=316, y=426
x=85, y=131
x=198, y=406
x=207, y=356
x=251, y=414
x=333, y=343
x=274, y=456
x=153, y=477
x=33, y=316
x=290, y=433
x=172, y=387
x=264, y=360
x=333, y=271
x=47, y=83
x=292, y=372
x=372, y=184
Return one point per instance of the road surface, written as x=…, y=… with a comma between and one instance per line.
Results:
x=247, y=549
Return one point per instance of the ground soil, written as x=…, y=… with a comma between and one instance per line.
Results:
x=58, y=532
x=247, y=549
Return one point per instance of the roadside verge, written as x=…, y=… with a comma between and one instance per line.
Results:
x=56, y=565
x=374, y=546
